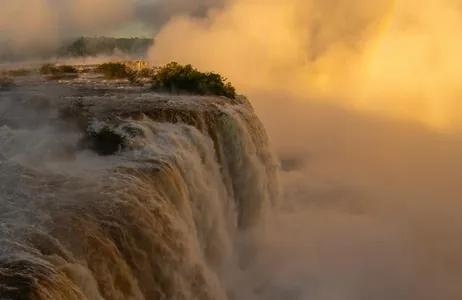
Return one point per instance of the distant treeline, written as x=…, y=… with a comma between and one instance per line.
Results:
x=84, y=46
x=92, y=46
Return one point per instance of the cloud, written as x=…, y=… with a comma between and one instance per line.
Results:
x=395, y=57
x=28, y=25
x=371, y=197
x=158, y=13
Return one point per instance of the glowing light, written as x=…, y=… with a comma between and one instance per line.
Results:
x=399, y=58
x=409, y=70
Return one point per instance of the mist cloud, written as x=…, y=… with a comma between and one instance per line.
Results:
x=158, y=13
x=370, y=212
x=398, y=57
x=371, y=199
x=32, y=25
x=28, y=25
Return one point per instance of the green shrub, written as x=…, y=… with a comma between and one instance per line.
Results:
x=176, y=78
x=18, y=72
x=145, y=73
x=115, y=70
x=6, y=82
x=86, y=70
x=51, y=69
x=67, y=69
x=47, y=69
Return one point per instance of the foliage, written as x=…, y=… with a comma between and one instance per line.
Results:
x=176, y=78
x=52, y=69
x=18, y=72
x=6, y=82
x=67, y=69
x=47, y=69
x=115, y=70
x=63, y=76
x=146, y=73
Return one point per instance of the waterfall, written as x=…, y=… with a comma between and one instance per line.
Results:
x=142, y=199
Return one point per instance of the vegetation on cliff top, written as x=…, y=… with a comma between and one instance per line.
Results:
x=173, y=78
x=17, y=72
x=115, y=70
x=6, y=82
x=51, y=69
x=176, y=78
x=54, y=72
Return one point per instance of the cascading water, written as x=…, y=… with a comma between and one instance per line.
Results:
x=153, y=216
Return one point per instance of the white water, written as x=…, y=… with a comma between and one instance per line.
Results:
x=158, y=220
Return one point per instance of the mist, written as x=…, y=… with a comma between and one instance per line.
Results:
x=30, y=26
x=361, y=103
x=36, y=25
x=398, y=58
x=156, y=13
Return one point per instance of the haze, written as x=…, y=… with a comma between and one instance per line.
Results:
x=398, y=58
x=361, y=100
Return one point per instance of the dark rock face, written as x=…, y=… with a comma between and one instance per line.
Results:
x=105, y=141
